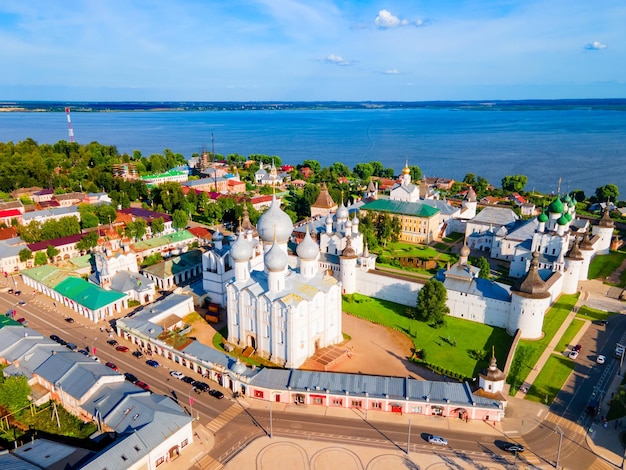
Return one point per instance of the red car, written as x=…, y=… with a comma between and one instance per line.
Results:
x=143, y=385
x=111, y=365
x=122, y=349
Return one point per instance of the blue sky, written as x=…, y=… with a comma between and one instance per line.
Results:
x=287, y=50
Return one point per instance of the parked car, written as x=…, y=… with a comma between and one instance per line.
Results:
x=619, y=352
x=437, y=440
x=71, y=347
x=188, y=380
x=577, y=348
x=111, y=365
x=18, y=292
x=175, y=373
x=573, y=354
x=216, y=393
x=601, y=322
x=152, y=363
x=95, y=358
x=202, y=386
x=11, y=291
x=21, y=320
x=600, y=359
x=84, y=352
x=512, y=447
x=69, y=319
x=122, y=349
x=22, y=302
x=112, y=342
x=138, y=354
x=130, y=377
x=143, y=385
x=55, y=338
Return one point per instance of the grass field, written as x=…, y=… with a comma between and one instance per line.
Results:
x=588, y=313
x=552, y=321
x=603, y=266
x=438, y=344
x=551, y=378
x=566, y=340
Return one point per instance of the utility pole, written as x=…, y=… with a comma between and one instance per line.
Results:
x=558, y=454
x=408, y=441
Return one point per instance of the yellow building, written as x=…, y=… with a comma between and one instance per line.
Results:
x=419, y=222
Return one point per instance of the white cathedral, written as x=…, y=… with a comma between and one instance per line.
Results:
x=285, y=314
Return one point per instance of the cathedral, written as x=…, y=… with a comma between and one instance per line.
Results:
x=285, y=314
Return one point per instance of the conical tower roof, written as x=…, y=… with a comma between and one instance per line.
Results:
x=324, y=201
x=532, y=285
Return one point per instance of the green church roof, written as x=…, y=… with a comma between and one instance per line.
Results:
x=414, y=209
x=86, y=294
x=556, y=206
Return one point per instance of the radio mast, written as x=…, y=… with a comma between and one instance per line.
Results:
x=69, y=124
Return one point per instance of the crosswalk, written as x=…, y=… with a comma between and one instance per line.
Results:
x=218, y=423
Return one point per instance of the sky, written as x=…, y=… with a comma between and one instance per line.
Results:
x=315, y=50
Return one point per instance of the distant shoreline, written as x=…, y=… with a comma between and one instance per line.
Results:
x=615, y=104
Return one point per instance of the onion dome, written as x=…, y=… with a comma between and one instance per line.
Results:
x=329, y=220
x=406, y=170
x=575, y=253
x=349, y=225
x=274, y=224
x=217, y=236
x=556, y=207
x=342, y=212
x=307, y=249
x=532, y=285
x=276, y=259
x=567, y=199
x=562, y=220
x=493, y=374
x=586, y=244
x=355, y=220
x=465, y=251
x=568, y=216
x=238, y=367
x=348, y=251
x=543, y=218
x=606, y=220
x=241, y=249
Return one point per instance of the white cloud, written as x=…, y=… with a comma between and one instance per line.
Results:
x=386, y=20
x=392, y=72
x=595, y=46
x=336, y=60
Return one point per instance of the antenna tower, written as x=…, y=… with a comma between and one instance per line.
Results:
x=69, y=124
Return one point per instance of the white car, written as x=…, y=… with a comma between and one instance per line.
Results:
x=438, y=440
x=573, y=355
x=600, y=359
x=175, y=373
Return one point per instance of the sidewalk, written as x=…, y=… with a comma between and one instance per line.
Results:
x=605, y=442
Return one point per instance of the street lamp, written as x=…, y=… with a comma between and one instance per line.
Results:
x=408, y=441
x=558, y=454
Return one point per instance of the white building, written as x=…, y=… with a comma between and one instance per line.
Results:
x=284, y=314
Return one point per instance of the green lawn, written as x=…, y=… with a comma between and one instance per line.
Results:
x=603, y=266
x=568, y=336
x=551, y=323
x=438, y=344
x=588, y=313
x=551, y=378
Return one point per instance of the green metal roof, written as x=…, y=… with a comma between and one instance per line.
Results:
x=174, y=265
x=175, y=237
x=47, y=275
x=414, y=209
x=86, y=294
x=163, y=175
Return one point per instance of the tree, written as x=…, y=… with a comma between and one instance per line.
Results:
x=40, y=258
x=88, y=241
x=608, y=192
x=514, y=183
x=431, y=303
x=470, y=178
x=485, y=269
x=157, y=225
x=52, y=251
x=25, y=254
x=416, y=173
x=179, y=219
x=578, y=195
x=363, y=171
x=14, y=391
x=136, y=229
x=314, y=165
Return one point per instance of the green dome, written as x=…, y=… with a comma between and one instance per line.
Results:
x=543, y=218
x=568, y=216
x=567, y=199
x=562, y=220
x=556, y=207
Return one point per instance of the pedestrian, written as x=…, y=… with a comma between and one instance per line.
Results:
x=494, y=424
x=55, y=304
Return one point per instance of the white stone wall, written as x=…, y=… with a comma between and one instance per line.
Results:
x=479, y=309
